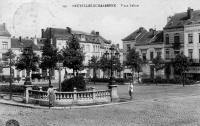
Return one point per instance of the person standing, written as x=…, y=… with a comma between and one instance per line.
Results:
x=51, y=96
x=130, y=89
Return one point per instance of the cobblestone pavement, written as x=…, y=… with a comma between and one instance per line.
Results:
x=152, y=105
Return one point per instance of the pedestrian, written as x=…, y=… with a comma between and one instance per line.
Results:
x=130, y=89
x=51, y=96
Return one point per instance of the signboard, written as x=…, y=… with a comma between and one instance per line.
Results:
x=59, y=64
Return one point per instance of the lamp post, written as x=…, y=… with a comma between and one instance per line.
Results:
x=28, y=51
x=59, y=65
x=113, y=54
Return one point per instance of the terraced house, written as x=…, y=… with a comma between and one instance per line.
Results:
x=181, y=35
x=92, y=44
x=148, y=44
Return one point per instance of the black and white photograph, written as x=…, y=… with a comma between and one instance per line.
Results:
x=99, y=63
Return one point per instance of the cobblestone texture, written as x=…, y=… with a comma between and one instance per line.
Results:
x=152, y=106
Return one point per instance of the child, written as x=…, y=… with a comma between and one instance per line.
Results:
x=130, y=88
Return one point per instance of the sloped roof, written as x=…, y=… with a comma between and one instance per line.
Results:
x=151, y=37
x=135, y=35
x=64, y=34
x=146, y=38
x=15, y=43
x=181, y=19
x=4, y=31
x=158, y=38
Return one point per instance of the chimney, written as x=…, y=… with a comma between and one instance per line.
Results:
x=141, y=29
x=189, y=13
x=69, y=30
x=20, y=38
x=169, y=19
x=35, y=40
x=118, y=46
x=4, y=26
x=97, y=33
x=152, y=31
x=42, y=30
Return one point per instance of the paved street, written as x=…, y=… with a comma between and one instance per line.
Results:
x=152, y=105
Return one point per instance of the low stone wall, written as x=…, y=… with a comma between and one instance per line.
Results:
x=69, y=98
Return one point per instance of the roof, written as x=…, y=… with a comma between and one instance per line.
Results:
x=4, y=31
x=135, y=35
x=15, y=43
x=64, y=34
x=151, y=37
x=184, y=18
x=158, y=38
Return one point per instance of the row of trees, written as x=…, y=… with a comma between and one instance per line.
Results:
x=135, y=62
x=105, y=65
x=71, y=56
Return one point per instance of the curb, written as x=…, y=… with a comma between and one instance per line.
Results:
x=59, y=108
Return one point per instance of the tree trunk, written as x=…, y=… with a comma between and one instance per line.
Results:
x=183, y=79
x=132, y=76
x=138, y=77
x=73, y=72
x=49, y=77
x=94, y=75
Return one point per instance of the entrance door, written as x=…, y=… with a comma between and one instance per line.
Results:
x=152, y=71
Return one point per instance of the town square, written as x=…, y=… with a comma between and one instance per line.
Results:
x=111, y=63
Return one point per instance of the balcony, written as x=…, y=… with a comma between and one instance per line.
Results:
x=176, y=45
x=194, y=61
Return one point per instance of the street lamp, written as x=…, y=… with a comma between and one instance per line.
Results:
x=113, y=54
x=59, y=65
x=28, y=51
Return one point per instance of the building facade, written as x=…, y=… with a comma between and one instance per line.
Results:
x=92, y=44
x=180, y=35
x=148, y=44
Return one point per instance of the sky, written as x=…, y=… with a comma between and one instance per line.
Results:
x=27, y=17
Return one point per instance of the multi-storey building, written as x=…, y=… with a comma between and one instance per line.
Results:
x=5, y=44
x=148, y=44
x=92, y=44
x=178, y=36
x=17, y=46
x=192, y=48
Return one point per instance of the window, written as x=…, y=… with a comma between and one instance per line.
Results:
x=190, y=53
x=176, y=38
x=190, y=38
x=93, y=48
x=4, y=45
x=167, y=39
x=167, y=55
x=199, y=55
x=151, y=55
x=199, y=37
x=144, y=56
x=4, y=57
x=128, y=47
x=159, y=53
x=23, y=73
